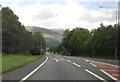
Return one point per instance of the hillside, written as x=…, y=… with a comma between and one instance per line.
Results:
x=53, y=37
x=61, y=31
x=51, y=42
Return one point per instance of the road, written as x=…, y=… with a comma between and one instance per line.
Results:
x=58, y=67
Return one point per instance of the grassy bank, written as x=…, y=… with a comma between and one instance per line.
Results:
x=10, y=62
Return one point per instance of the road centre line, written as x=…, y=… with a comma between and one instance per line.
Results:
x=93, y=65
x=68, y=60
x=76, y=64
x=95, y=75
x=27, y=76
x=108, y=74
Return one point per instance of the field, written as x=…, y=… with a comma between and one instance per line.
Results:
x=10, y=62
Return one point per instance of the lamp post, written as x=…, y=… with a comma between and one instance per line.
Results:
x=115, y=29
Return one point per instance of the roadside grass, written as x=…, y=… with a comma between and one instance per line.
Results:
x=10, y=62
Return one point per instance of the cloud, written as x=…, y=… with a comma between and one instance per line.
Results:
x=97, y=16
x=69, y=15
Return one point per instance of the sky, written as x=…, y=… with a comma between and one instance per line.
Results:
x=63, y=14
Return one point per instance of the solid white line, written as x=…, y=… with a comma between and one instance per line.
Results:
x=68, y=60
x=56, y=60
x=109, y=75
x=76, y=64
x=105, y=63
x=93, y=65
x=86, y=60
x=95, y=75
x=111, y=70
x=115, y=75
x=27, y=76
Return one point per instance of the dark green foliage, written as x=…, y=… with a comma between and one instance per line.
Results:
x=77, y=41
x=39, y=43
x=15, y=39
x=98, y=42
x=118, y=40
x=51, y=42
x=104, y=41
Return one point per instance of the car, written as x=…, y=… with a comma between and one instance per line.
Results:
x=55, y=53
x=52, y=53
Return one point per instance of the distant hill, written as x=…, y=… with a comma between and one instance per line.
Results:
x=61, y=31
x=51, y=42
x=53, y=37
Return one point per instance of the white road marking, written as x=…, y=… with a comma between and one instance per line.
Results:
x=109, y=75
x=61, y=59
x=27, y=76
x=76, y=64
x=105, y=67
x=93, y=64
x=96, y=75
x=56, y=60
x=110, y=70
x=105, y=63
x=86, y=60
x=115, y=75
x=68, y=60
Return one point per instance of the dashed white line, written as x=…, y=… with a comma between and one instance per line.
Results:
x=76, y=64
x=27, y=76
x=96, y=75
x=68, y=60
x=108, y=75
x=93, y=65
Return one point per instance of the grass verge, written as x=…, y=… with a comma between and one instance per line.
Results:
x=10, y=62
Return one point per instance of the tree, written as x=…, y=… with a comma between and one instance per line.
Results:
x=39, y=43
x=104, y=41
x=16, y=39
x=118, y=40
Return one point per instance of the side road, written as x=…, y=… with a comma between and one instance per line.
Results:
x=22, y=71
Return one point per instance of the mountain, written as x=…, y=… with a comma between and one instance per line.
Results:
x=53, y=37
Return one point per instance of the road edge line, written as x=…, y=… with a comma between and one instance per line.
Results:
x=108, y=74
x=105, y=63
x=93, y=65
x=27, y=76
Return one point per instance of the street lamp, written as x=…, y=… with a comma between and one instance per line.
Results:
x=116, y=28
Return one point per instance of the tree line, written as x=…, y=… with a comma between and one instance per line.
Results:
x=97, y=42
x=16, y=39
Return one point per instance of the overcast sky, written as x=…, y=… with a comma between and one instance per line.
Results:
x=63, y=14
